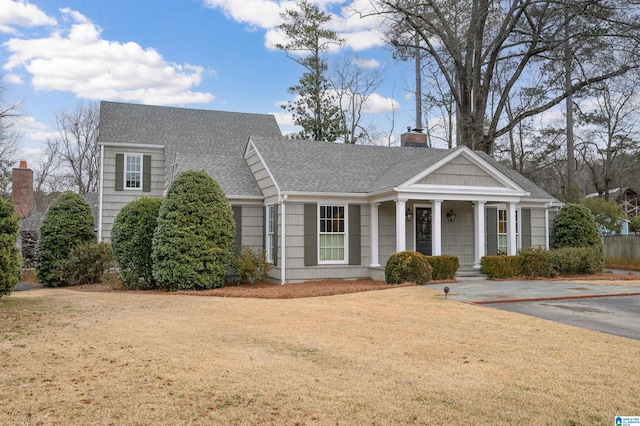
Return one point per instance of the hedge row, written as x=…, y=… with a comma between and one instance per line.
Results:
x=444, y=267
x=534, y=263
x=415, y=267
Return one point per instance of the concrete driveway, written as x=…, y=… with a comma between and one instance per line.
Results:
x=608, y=309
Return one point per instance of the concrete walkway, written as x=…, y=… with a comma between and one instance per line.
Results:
x=485, y=291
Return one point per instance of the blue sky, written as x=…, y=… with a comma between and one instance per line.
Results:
x=208, y=54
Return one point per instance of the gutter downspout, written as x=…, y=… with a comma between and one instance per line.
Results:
x=100, y=197
x=283, y=248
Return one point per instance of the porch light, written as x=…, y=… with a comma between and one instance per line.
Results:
x=409, y=215
x=451, y=216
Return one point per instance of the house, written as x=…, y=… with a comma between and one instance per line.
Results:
x=323, y=210
x=626, y=196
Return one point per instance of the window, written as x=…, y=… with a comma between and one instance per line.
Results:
x=270, y=221
x=133, y=171
x=331, y=234
x=503, y=237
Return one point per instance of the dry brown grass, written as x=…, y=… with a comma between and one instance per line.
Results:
x=399, y=356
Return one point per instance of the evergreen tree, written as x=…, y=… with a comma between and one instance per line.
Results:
x=9, y=254
x=315, y=108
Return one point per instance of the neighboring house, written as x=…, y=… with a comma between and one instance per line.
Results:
x=323, y=210
x=31, y=212
x=626, y=196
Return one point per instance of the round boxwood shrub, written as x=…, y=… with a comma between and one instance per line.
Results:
x=408, y=266
x=9, y=254
x=66, y=224
x=131, y=239
x=193, y=241
x=634, y=225
x=576, y=227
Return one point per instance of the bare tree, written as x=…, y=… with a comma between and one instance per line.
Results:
x=78, y=133
x=9, y=138
x=354, y=84
x=608, y=130
x=471, y=41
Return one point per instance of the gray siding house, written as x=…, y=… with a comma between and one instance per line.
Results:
x=323, y=210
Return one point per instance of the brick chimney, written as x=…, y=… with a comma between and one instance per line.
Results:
x=414, y=138
x=22, y=189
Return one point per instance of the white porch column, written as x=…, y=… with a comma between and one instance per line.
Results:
x=437, y=228
x=373, y=225
x=511, y=230
x=401, y=225
x=479, y=232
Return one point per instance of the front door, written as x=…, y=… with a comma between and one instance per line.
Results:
x=423, y=230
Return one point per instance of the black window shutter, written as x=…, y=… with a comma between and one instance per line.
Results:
x=237, y=217
x=119, y=172
x=525, y=227
x=492, y=232
x=310, y=234
x=146, y=173
x=355, y=257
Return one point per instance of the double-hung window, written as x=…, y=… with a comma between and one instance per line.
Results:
x=503, y=238
x=332, y=234
x=133, y=171
x=270, y=232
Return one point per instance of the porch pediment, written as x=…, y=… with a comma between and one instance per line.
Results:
x=460, y=171
x=463, y=168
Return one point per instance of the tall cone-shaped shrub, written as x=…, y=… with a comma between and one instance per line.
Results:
x=66, y=224
x=193, y=241
x=9, y=254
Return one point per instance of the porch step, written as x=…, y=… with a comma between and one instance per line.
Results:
x=469, y=273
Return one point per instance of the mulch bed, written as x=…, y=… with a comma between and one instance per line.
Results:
x=293, y=291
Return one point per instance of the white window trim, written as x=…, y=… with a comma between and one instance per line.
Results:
x=346, y=234
x=268, y=241
x=518, y=226
x=124, y=178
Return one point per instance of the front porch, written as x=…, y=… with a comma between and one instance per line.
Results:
x=467, y=229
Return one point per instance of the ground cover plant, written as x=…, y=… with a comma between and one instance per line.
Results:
x=400, y=356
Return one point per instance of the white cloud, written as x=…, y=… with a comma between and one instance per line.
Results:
x=79, y=61
x=20, y=13
x=13, y=79
x=367, y=63
x=256, y=13
x=352, y=21
x=377, y=104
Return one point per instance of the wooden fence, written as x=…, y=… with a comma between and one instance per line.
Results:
x=622, y=247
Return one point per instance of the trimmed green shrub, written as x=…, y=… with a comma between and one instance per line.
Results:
x=193, y=241
x=444, y=266
x=634, y=225
x=86, y=264
x=251, y=266
x=576, y=227
x=9, y=254
x=406, y=266
x=536, y=263
x=577, y=260
x=501, y=266
x=66, y=224
x=131, y=241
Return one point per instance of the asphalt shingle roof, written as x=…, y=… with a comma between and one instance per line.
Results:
x=232, y=173
x=183, y=130
x=309, y=166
